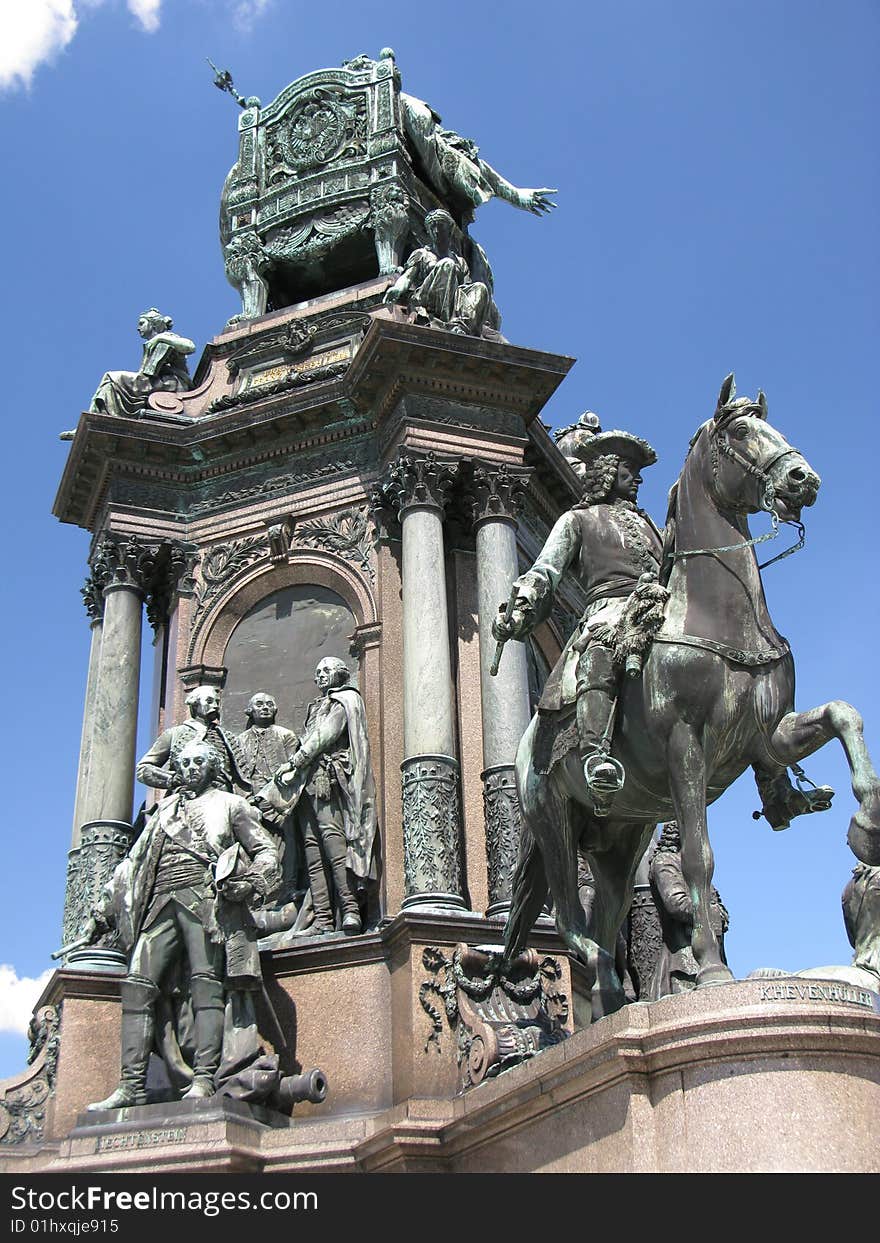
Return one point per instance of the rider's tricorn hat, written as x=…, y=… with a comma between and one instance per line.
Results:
x=622, y=444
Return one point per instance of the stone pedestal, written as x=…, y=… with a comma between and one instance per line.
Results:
x=757, y=1076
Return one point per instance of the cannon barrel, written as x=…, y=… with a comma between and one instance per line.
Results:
x=310, y=1086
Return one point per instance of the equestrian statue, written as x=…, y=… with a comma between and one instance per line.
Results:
x=673, y=683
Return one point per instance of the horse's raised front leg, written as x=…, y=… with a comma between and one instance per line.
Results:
x=687, y=784
x=801, y=733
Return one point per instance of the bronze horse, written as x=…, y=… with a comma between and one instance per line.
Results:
x=715, y=696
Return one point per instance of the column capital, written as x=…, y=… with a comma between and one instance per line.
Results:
x=174, y=567
x=93, y=599
x=121, y=560
x=496, y=492
x=154, y=569
x=416, y=481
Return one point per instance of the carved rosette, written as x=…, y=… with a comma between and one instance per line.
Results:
x=645, y=937
x=104, y=844
x=23, y=1099
x=503, y=818
x=497, y=494
x=418, y=482
x=431, y=821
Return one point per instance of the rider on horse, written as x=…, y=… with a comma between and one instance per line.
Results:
x=614, y=550
x=609, y=544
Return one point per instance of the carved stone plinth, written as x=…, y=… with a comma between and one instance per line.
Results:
x=104, y=844
x=431, y=825
x=501, y=1018
x=503, y=818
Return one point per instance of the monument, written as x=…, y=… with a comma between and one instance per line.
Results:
x=341, y=495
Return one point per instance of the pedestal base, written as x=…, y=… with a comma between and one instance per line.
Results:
x=761, y=1075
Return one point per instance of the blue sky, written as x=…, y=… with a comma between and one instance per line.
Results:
x=718, y=181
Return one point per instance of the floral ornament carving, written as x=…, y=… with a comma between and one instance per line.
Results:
x=123, y=561
x=323, y=468
x=503, y=818
x=645, y=937
x=174, y=571
x=23, y=1100
x=431, y=818
x=502, y=1016
x=347, y=533
x=222, y=562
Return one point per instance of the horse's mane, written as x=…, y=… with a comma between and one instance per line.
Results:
x=669, y=530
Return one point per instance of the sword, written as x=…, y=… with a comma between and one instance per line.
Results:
x=507, y=609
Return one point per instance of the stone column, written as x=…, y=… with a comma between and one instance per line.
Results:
x=497, y=494
x=94, y=603
x=74, y=888
x=125, y=572
x=419, y=488
x=121, y=566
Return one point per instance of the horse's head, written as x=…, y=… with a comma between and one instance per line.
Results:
x=753, y=465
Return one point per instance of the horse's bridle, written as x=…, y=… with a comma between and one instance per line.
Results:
x=718, y=447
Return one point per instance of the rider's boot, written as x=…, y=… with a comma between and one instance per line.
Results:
x=138, y=1024
x=596, y=690
x=782, y=801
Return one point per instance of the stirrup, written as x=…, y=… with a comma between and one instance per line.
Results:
x=800, y=801
x=604, y=776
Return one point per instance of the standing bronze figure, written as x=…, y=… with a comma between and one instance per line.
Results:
x=716, y=695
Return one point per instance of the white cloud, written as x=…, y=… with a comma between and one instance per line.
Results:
x=31, y=32
x=34, y=32
x=148, y=13
x=18, y=997
x=246, y=12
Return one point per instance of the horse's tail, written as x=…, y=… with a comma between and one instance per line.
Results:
x=529, y=895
